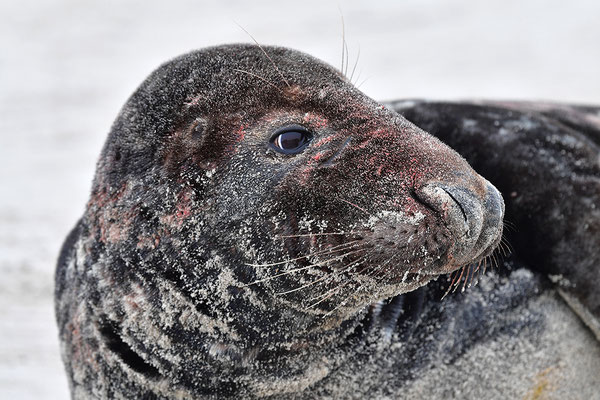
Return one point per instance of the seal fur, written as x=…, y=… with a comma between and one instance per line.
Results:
x=208, y=265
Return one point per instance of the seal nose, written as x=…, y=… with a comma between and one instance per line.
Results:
x=491, y=232
x=475, y=221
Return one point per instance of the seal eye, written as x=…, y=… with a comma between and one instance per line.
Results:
x=290, y=139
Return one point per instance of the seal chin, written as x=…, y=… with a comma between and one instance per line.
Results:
x=474, y=219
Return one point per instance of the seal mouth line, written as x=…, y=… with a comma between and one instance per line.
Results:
x=110, y=332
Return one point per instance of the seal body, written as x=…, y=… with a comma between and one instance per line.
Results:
x=259, y=228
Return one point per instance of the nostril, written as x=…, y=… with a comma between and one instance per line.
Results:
x=458, y=203
x=423, y=198
x=459, y=208
x=473, y=217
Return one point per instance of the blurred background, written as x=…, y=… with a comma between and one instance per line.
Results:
x=67, y=66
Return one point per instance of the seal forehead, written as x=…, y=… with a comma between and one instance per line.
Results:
x=233, y=76
x=253, y=71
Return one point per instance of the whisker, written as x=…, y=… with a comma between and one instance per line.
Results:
x=328, y=313
x=330, y=249
x=354, y=205
x=472, y=280
x=278, y=275
x=319, y=234
x=265, y=53
x=333, y=291
x=462, y=271
x=302, y=268
x=328, y=275
x=324, y=296
x=477, y=271
x=378, y=268
x=363, y=82
x=355, y=64
x=258, y=77
x=327, y=295
x=337, y=287
x=347, y=58
x=510, y=225
x=503, y=248
x=466, y=278
x=357, y=77
x=453, y=276
x=343, y=302
x=507, y=244
x=343, y=38
x=495, y=260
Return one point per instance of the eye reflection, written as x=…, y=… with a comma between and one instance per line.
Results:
x=290, y=139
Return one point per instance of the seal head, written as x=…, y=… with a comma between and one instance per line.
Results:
x=250, y=202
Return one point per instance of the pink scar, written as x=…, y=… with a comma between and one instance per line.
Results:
x=183, y=206
x=194, y=101
x=315, y=120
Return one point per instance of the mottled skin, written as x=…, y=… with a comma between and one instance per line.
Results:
x=208, y=265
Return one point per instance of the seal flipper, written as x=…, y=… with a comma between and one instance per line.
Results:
x=544, y=158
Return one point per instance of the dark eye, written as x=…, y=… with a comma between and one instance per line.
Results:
x=290, y=139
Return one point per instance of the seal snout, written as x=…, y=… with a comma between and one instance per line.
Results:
x=474, y=219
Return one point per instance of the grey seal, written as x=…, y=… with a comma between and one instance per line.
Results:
x=258, y=227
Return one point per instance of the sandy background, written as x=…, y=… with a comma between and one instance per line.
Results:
x=67, y=66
